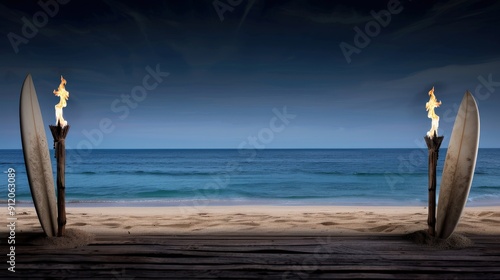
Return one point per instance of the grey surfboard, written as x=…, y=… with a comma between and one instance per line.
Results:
x=459, y=167
x=37, y=158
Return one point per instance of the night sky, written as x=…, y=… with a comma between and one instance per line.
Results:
x=217, y=74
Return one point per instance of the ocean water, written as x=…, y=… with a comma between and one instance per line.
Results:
x=252, y=177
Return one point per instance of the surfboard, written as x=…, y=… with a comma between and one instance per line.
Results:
x=459, y=166
x=37, y=158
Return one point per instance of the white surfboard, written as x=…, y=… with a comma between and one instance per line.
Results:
x=37, y=158
x=459, y=167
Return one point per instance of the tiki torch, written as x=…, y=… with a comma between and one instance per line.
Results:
x=433, y=143
x=59, y=132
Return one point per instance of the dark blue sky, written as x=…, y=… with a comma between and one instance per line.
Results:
x=229, y=67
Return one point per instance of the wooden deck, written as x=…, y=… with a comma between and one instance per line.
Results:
x=256, y=257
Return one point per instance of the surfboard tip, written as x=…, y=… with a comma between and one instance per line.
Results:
x=469, y=95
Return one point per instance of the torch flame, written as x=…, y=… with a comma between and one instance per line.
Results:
x=429, y=106
x=63, y=95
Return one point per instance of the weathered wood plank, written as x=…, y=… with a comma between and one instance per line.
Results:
x=257, y=257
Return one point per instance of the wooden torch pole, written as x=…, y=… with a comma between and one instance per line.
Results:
x=59, y=133
x=433, y=145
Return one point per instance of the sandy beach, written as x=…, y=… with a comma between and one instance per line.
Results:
x=259, y=219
